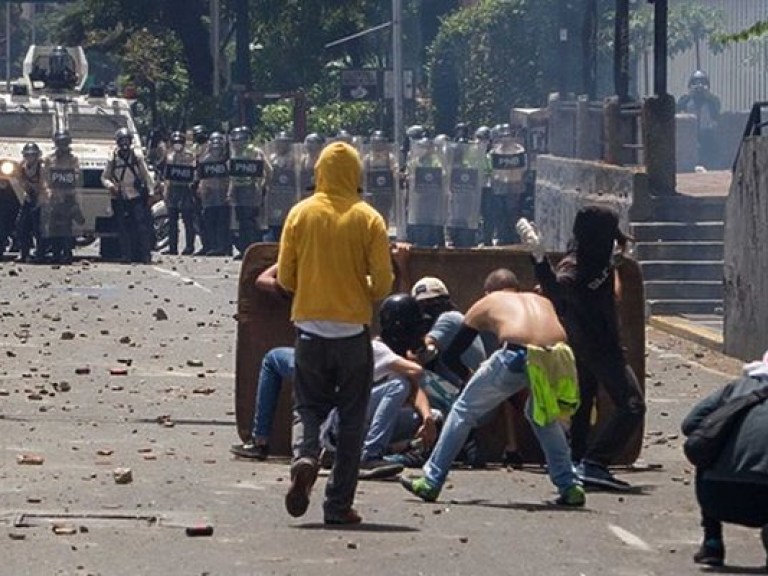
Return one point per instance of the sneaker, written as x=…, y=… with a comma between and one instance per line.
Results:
x=378, y=469
x=420, y=487
x=410, y=459
x=349, y=518
x=303, y=476
x=711, y=553
x=250, y=450
x=597, y=475
x=574, y=496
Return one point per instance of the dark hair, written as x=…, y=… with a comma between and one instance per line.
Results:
x=501, y=279
x=594, y=231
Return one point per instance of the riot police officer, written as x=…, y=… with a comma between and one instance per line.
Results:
x=213, y=186
x=248, y=169
x=127, y=178
x=426, y=195
x=282, y=190
x=465, y=170
x=508, y=164
x=61, y=177
x=199, y=145
x=706, y=107
x=313, y=145
x=379, y=172
x=179, y=173
x=28, y=226
x=484, y=142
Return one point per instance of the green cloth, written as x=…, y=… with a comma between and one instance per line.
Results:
x=553, y=381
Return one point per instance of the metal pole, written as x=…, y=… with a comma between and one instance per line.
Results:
x=33, y=18
x=215, y=41
x=621, y=50
x=397, y=104
x=8, y=46
x=660, y=21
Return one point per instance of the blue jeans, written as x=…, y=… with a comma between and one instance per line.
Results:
x=277, y=366
x=498, y=378
x=387, y=399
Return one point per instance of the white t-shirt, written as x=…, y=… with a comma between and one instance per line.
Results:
x=383, y=359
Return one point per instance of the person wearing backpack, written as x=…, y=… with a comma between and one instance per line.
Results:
x=734, y=488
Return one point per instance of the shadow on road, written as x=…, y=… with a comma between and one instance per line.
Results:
x=525, y=506
x=734, y=570
x=364, y=527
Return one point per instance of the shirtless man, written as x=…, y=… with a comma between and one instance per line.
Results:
x=518, y=320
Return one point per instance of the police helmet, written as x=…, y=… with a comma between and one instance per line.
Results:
x=199, y=134
x=441, y=140
x=178, y=138
x=416, y=132
x=123, y=137
x=217, y=140
x=505, y=131
x=240, y=134
x=30, y=149
x=699, y=78
x=461, y=132
x=313, y=138
x=344, y=136
x=62, y=139
x=483, y=133
x=378, y=136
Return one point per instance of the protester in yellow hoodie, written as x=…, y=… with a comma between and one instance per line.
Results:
x=334, y=258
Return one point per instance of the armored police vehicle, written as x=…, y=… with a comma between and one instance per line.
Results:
x=51, y=97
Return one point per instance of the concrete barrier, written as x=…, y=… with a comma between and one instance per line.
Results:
x=263, y=324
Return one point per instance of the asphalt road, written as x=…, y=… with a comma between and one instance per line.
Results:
x=156, y=395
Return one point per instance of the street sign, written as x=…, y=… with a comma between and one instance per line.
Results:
x=360, y=85
x=389, y=80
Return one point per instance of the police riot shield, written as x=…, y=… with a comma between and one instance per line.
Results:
x=61, y=206
x=465, y=171
x=426, y=191
x=380, y=178
x=283, y=187
x=508, y=165
x=247, y=171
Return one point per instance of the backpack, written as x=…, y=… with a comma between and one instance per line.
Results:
x=704, y=444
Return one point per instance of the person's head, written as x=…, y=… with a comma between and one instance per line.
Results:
x=283, y=143
x=178, y=141
x=62, y=141
x=338, y=171
x=123, y=139
x=433, y=297
x=239, y=137
x=199, y=134
x=416, y=132
x=402, y=323
x=698, y=83
x=596, y=232
x=501, y=279
x=313, y=143
x=344, y=136
x=379, y=143
x=30, y=152
x=217, y=143
x=461, y=132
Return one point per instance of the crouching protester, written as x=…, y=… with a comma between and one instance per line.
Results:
x=733, y=488
x=533, y=355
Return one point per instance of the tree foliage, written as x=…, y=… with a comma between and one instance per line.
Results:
x=490, y=57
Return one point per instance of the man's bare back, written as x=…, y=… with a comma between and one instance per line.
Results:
x=517, y=317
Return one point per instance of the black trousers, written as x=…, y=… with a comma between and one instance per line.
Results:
x=188, y=218
x=247, y=217
x=605, y=368
x=333, y=373
x=216, y=221
x=134, y=229
x=28, y=228
x=741, y=503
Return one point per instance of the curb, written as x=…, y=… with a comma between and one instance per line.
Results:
x=690, y=331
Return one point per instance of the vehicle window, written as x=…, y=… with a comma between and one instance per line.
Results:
x=95, y=126
x=26, y=125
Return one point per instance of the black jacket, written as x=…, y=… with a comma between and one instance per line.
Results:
x=745, y=456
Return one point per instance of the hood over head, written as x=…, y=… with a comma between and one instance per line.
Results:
x=595, y=230
x=337, y=171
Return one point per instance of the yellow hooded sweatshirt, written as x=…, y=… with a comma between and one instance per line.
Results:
x=334, y=250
